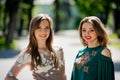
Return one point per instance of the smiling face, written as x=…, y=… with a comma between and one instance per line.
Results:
x=88, y=33
x=92, y=31
x=43, y=31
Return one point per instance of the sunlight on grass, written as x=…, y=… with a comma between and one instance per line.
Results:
x=114, y=41
x=113, y=36
x=6, y=46
x=117, y=45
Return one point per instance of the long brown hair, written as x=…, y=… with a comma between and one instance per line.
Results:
x=32, y=47
x=99, y=28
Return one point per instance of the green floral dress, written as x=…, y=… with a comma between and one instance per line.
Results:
x=90, y=64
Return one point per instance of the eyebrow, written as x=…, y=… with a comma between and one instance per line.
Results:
x=45, y=26
x=89, y=28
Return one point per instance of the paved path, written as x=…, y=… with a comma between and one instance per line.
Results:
x=69, y=40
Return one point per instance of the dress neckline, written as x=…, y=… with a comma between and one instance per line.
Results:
x=93, y=47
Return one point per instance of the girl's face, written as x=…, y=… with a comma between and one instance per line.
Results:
x=43, y=31
x=88, y=33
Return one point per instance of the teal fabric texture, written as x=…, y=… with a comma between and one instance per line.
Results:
x=90, y=64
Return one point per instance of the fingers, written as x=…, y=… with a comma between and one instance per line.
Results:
x=36, y=76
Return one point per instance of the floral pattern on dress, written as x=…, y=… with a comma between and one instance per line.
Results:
x=94, y=53
x=46, y=72
x=82, y=60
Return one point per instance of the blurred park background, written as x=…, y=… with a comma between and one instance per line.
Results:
x=15, y=16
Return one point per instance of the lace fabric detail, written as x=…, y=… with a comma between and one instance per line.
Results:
x=49, y=72
x=46, y=72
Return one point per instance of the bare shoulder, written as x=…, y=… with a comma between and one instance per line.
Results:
x=106, y=52
x=57, y=47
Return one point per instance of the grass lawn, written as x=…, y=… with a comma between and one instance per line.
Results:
x=114, y=41
x=6, y=46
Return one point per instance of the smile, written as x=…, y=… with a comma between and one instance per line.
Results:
x=87, y=37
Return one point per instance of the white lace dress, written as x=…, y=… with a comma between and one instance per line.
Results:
x=46, y=72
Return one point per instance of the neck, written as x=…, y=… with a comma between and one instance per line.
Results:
x=42, y=48
x=90, y=45
x=42, y=45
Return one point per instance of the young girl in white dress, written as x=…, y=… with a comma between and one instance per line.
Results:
x=45, y=61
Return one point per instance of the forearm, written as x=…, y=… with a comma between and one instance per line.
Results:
x=11, y=75
x=10, y=78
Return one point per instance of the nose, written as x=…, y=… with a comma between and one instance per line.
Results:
x=42, y=30
x=87, y=32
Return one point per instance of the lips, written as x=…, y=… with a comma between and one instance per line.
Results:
x=87, y=37
x=42, y=36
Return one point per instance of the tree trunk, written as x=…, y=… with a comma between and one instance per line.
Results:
x=11, y=26
x=57, y=19
x=21, y=27
x=12, y=8
x=116, y=14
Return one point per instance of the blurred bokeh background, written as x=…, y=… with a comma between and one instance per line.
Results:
x=15, y=16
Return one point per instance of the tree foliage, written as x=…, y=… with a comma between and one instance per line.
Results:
x=99, y=8
x=15, y=14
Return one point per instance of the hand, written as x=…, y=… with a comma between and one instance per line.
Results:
x=11, y=78
x=64, y=77
x=37, y=77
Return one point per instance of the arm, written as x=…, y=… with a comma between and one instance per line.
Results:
x=106, y=66
x=106, y=52
x=14, y=71
x=62, y=61
x=20, y=63
x=63, y=69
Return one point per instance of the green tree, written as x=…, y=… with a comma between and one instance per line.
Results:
x=11, y=17
x=11, y=8
x=100, y=8
x=57, y=17
x=25, y=15
x=116, y=14
x=62, y=13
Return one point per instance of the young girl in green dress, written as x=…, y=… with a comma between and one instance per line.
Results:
x=94, y=62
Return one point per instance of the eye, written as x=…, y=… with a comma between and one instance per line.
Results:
x=47, y=28
x=83, y=30
x=92, y=30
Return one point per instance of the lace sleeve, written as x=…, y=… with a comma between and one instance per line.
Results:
x=23, y=59
x=20, y=63
x=60, y=55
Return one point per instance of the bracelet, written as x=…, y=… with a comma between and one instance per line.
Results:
x=10, y=74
